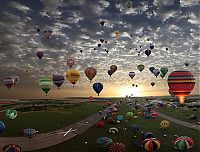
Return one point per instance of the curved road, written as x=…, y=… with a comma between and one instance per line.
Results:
x=45, y=140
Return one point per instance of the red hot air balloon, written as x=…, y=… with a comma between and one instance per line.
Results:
x=90, y=72
x=181, y=83
x=39, y=54
x=9, y=82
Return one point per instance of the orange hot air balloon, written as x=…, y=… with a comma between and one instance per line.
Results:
x=90, y=72
x=181, y=83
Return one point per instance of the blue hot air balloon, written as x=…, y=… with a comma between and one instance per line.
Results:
x=2, y=127
x=98, y=87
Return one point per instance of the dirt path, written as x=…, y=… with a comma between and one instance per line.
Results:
x=45, y=140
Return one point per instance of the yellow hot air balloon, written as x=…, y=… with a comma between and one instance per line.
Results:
x=117, y=34
x=73, y=76
x=164, y=124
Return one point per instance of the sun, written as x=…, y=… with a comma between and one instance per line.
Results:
x=130, y=91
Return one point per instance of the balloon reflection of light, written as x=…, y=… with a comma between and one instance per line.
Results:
x=130, y=91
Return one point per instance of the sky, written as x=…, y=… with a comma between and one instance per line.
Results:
x=75, y=25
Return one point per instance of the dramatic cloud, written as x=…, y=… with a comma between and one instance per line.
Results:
x=76, y=26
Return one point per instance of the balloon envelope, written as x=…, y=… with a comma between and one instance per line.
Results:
x=147, y=52
x=15, y=78
x=183, y=143
x=152, y=84
x=70, y=62
x=12, y=114
x=58, y=80
x=151, y=69
x=98, y=87
x=151, y=144
x=39, y=54
x=73, y=76
x=2, y=126
x=131, y=75
x=163, y=71
x=113, y=68
x=110, y=72
x=181, y=83
x=29, y=132
x=11, y=148
x=156, y=72
x=140, y=67
x=90, y=72
x=9, y=82
x=45, y=84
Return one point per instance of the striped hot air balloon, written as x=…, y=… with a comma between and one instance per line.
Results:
x=11, y=148
x=181, y=83
x=151, y=144
x=29, y=132
x=58, y=80
x=183, y=143
x=117, y=147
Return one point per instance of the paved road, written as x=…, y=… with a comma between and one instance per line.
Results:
x=52, y=138
x=180, y=122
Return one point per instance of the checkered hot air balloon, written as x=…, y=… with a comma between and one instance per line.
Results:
x=181, y=83
x=151, y=144
x=117, y=147
x=11, y=148
x=183, y=143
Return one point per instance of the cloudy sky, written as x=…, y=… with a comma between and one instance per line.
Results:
x=172, y=24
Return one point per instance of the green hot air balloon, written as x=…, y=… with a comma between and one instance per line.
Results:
x=45, y=84
x=140, y=67
x=12, y=114
x=163, y=71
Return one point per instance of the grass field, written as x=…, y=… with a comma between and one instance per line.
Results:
x=77, y=144
x=181, y=114
x=46, y=121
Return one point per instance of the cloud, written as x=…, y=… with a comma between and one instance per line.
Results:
x=163, y=3
x=19, y=7
x=189, y=3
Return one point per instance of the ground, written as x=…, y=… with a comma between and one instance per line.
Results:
x=86, y=142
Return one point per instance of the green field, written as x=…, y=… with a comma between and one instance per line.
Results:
x=181, y=114
x=46, y=121
x=77, y=144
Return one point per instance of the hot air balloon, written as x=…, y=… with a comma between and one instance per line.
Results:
x=129, y=115
x=104, y=142
x=39, y=54
x=131, y=75
x=45, y=84
x=58, y=80
x=2, y=127
x=101, y=40
x=164, y=124
x=163, y=71
x=11, y=148
x=181, y=83
x=113, y=68
x=98, y=87
x=148, y=135
x=113, y=130
x=9, y=82
x=12, y=114
x=29, y=132
x=47, y=33
x=148, y=52
x=151, y=69
x=152, y=84
x=15, y=78
x=81, y=51
x=151, y=46
x=102, y=23
x=110, y=73
x=156, y=72
x=140, y=67
x=90, y=72
x=187, y=63
x=117, y=34
x=135, y=128
x=183, y=143
x=73, y=76
x=151, y=144
x=70, y=62
x=117, y=147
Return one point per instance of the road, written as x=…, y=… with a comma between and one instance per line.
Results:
x=45, y=140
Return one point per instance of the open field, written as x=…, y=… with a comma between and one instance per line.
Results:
x=126, y=136
x=46, y=121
